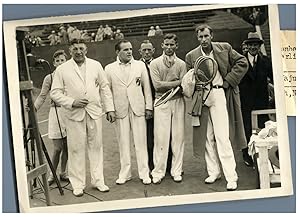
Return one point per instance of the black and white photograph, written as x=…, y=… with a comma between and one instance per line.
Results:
x=146, y=108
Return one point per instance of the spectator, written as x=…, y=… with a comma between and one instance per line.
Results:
x=119, y=35
x=85, y=36
x=158, y=31
x=76, y=34
x=254, y=87
x=151, y=32
x=114, y=31
x=93, y=35
x=53, y=38
x=70, y=30
x=107, y=32
x=64, y=39
x=38, y=41
x=244, y=48
x=254, y=18
x=100, y=34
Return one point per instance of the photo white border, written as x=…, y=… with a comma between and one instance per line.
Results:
x=9, y=28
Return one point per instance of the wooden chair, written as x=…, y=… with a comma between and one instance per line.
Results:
x=267, y=175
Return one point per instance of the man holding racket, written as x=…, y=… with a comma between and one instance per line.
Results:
x=224, y=119
x=166, y=72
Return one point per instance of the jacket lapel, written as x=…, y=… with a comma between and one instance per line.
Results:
x=76, y=69
x=219, y=59
x=117, y=72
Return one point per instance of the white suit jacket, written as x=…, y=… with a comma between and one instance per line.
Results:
x=136, y=92
x=95, y=88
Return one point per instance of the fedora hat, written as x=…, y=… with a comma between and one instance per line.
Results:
x=274, y=156
x=253, y=37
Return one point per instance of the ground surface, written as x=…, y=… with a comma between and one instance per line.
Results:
x=193, y=178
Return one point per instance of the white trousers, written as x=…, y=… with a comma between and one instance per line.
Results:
x=168, y=123
x=217, y=142
x=137, y=126
x=81, y=135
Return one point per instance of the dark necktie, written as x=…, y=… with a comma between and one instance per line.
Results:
x=151, y=84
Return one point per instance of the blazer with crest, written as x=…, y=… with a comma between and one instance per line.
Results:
x=136, y=92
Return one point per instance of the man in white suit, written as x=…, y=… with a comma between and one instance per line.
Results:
x=77, y=86
x=132, y=97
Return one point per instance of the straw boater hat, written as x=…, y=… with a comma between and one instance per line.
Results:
x=253, y=37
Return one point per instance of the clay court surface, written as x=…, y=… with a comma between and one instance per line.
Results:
x=193, y=178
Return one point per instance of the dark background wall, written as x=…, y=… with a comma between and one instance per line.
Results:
x=104, y=51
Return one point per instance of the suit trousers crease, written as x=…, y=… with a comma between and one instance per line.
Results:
x=218, y=147
x=81, y=135
x=124, y=127
x=168, y=121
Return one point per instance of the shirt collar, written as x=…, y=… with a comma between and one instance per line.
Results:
x=173, y=56
x=203, y=53
x=120, y=63
x=251, y=56
x=84, y=63
x=148, y=62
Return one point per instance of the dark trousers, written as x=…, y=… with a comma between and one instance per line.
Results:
x=150, y=147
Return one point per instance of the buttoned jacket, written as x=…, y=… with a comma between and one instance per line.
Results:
x=135, y=92
x=94, y=87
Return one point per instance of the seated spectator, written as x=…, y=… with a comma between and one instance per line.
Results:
x=151, y=31
x=70, y=30
x=93, y=35
x=85, y=36
x=100, y=34
x=64, y=39
x=158, y=31
x=75, y=34
x=114, y=31
x=37, y=41
x=119, y=35
x=107, y=32
x=53, y=38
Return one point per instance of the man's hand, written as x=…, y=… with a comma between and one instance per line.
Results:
x=148, y=114
x=199, y=87
x=80, y=103
x=225, y=84
x=111, y=116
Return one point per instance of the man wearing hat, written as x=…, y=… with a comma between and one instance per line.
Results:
x=254, y=86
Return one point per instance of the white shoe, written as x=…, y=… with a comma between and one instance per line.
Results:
x=212, y=179
x=103, y=188
x=231, y=186
x=78, y=192
x=156, y=180
x=146, y=181
x=177, y=178
x=121, y=181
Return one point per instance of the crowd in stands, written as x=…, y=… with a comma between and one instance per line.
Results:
x=157, y=31
x=66, y=34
